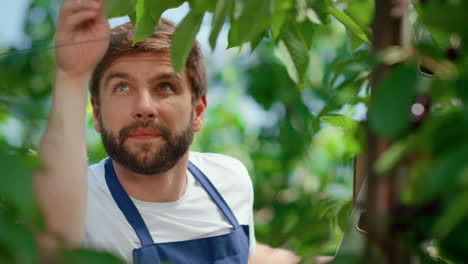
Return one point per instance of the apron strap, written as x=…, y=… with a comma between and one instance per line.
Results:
x=128, y=208
x=214, y=194
x=126, y=205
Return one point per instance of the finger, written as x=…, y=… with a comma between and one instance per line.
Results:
x=293, y=258
x=286, y=256
x=80, y=18
x=323, y=259
x=74, y=6
x=101, y=11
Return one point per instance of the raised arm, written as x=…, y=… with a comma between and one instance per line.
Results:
x=81, y=39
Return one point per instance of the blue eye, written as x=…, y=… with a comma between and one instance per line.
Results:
x=165, y=87
x=122, y=87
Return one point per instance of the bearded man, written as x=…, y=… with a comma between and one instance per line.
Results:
x=152, y=200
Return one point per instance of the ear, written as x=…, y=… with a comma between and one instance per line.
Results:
x=199, y=113
x=96, y=113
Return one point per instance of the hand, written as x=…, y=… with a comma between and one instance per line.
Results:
x=82, y=37
x=323, y=260
x=267, y=255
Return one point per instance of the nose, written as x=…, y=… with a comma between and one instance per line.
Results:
x=145, y=107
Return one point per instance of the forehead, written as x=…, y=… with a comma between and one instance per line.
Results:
x=143, y=65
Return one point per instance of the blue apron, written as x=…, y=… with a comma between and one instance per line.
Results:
x=231, y=248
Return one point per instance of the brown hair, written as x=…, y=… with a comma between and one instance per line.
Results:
x=121, y=44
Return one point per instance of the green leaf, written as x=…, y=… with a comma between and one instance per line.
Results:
x=344, y=214
x=393, y=155
x=452, y=248
x=280, y=12
x=452, y=216
x=148, y=13
x=293, y=51
x=463, y=95
x=132, y=17
x=156, y=8
x=282, y=52
x=43, y=3
x=145, y=25
x=256, y=41
x=442, y=39
x=203, y=5
x=389, y=110
x=352, y=26
x=86, y=256
x=277, y=22
x=254, y=20
x=223, y=8
x=313, y=16
x=305, y=31
x=17, y=242
x=239, y=6
x=27, y=108
x=361, y=12
x=340, y=121
x=446, y=17
x=346, y=93
x=184, y=38
x=117, y=8
x=446, y=171
x=301, y=10
x=16, y=187
x=354, y=41
x=321, y=8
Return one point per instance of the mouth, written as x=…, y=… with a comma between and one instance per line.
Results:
x=144, y=134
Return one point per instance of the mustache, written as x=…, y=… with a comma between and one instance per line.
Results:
x=162, y=129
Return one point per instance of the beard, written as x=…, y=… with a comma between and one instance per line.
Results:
x=144, y=158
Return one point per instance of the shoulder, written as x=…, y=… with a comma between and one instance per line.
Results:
x=232, y=180
x=214, y=159
x=229, y=176
x=96, y=177
x=216, y=165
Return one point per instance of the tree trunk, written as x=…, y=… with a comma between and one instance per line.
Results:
x=389, y=29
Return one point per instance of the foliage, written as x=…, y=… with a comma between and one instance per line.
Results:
x=300, y=176
x=297, y=163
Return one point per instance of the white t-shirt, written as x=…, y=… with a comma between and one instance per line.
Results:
x=193, y=216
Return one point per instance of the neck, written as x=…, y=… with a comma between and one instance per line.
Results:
x=165, y=187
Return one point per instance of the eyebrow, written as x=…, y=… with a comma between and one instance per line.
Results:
x=165, y=75
x=122, y=75
x=114, y=75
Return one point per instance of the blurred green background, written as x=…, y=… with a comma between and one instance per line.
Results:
x=301, y=168
x=297, y=138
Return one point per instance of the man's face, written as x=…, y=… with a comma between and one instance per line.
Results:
x=146, y=114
